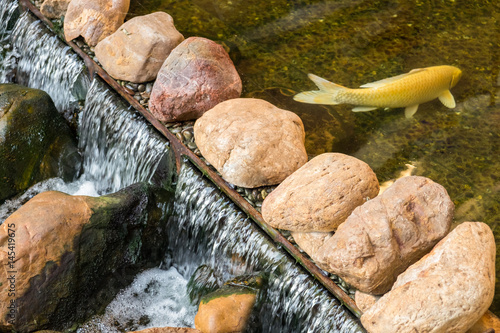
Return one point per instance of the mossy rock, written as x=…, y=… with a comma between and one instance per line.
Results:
x=35, y=142
x=202, y=282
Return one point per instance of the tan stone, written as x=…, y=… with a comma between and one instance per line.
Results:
x=225, y=314
x=310, y=242
x=448, y=290
x=365, y=301
x=251, y=142
x=381, y=238
x=137, y=50
x=488, y=323
x=54, y=9
x=168, y=330
x=321, y=194
x=94, y=20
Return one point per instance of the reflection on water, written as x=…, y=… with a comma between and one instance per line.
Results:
x=275, y=43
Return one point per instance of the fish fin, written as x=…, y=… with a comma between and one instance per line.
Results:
x=381, y=83
x=364, y=108
x=410, y=110
x=447, y=99
x=315, y=97
x=326, y=94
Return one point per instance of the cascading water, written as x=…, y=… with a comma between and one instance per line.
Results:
x=8, y=56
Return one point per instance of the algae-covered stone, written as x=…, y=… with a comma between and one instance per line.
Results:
x=35, y=142
x=64, y=254
x=202, y=282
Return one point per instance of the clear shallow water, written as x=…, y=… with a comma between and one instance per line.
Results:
x=274, y=44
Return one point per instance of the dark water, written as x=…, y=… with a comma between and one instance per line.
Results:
x=275, y=43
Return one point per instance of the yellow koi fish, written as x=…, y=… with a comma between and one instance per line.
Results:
x=401, y=91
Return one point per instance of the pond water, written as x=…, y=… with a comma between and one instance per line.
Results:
x=276, y=43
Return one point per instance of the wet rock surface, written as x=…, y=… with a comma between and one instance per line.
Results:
x=197, y=75
x=94, y=20
x=251, y=142
x=168, y=330
x=69, y=251
x=448, y=290
x=54, y=9
x=320, y=195
x=381, y=238
x=137, y=50
x=35, y=142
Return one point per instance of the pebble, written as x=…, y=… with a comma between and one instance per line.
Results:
x=179, y=136
x=175, y=129
x=192, y=145
x=149, y=87
x=188, y=135
x=131, y=87
x=137, y=98
x=141, y=88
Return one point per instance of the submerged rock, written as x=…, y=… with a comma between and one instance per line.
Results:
x=63, y=254
x=94, y=20
x=35, y=142
x=137, y=50
x=381, y=238
x=54, y=9
x=168, y=330
x=251, y=142
x=448, y=290
x=197, y=75
x=320, y=195
x=202, y=282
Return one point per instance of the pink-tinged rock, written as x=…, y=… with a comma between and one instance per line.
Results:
x=384, y=236
x=448, y=290
x=136, y=51
x=54, y=9
x=94, y=20
x=251, y=142
x=321, y=194
x=197, y=75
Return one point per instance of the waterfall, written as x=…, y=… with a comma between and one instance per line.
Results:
x=46, y=63
x=8, y=56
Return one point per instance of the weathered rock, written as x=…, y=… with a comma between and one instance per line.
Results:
x=94, y=20
x=448, y=290
x=385, y=235
x=54, y=9
x=137, y=50
x=251, y=142
x=310, y=242
x=321, y=194
x=35, y=142
x=365, y=301
x=69, y=252
x=197, y=75
x=168, y=330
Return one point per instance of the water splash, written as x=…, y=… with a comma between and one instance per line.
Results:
x=119, y=147
x=46, y=63
x=8, y=56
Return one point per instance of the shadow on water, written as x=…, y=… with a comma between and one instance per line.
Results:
x=275, y=43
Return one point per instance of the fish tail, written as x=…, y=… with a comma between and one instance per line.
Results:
x=326, y=95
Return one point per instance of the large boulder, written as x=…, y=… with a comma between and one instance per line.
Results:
x=448, y=290
x=137, y=50
x=197, y=75
x=251, y=142
x=321, y=194
x=387, y=234
x=35, y=141
x=66, y=257
x=311, y=242
x=54, y=9
x=94, y=20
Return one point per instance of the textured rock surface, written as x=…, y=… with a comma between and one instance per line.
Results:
x=251, y=142
x=69, y=251
x=197, y=75
x=310, y=242
x=448, y=290
x=385, y=235
x=54, y=9
x=168, y=330
x=136, y=51
x=35, y=142
x=365, y=301
x=321, y=194
x=94, y=20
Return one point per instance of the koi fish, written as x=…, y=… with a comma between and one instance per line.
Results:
x=402, y=91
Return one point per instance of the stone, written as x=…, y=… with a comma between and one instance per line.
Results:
x=385, y=235
x=72, y=254
x=320, y=195
x=251, y=142
x=448, y=290
x=94, y=20
x=196, y=76
x=488, y=323
x=310, y=242
x=54, y=9
x=365, y=301
x=35, y=142
x=168, y=330
x=202, y=282
x=137, y=50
